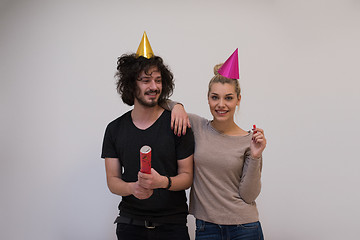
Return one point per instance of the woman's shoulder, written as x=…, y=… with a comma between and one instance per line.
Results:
x=194, y=118
x=241, y=132
x=197, y=122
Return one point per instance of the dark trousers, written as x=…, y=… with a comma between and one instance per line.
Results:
x=164, y=232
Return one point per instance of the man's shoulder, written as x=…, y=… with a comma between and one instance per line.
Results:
x=166, y=114
x=165, y=119
x=123, y=119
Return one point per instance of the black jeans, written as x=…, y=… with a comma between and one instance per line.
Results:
x=164, y=232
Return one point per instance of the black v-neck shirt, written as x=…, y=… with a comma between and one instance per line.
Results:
x=123, y=140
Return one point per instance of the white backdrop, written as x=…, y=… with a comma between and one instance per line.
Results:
x=299, y=64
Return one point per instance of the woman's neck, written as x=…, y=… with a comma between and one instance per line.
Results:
x=228, y=128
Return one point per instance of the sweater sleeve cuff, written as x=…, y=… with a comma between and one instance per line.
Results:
x=256, y=159
x=255, y=163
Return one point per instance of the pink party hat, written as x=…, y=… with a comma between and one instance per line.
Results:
x=230, y=68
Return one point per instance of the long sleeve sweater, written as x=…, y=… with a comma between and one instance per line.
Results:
x=226, y=179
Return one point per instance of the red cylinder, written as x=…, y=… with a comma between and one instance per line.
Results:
x=145, y=159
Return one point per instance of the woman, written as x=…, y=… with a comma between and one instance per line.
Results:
x=227, y=166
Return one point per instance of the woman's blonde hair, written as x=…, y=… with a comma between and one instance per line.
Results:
x=221, y=79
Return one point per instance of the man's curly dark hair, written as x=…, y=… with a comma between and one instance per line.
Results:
x=129, y=67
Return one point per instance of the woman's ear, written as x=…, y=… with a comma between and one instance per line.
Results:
x=239, y=99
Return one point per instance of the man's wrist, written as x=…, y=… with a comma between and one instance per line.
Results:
x=130, y=188
x=168, y=183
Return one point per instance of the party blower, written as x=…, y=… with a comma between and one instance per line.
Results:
x=145, y=159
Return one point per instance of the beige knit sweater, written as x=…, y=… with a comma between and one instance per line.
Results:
x=226, y=179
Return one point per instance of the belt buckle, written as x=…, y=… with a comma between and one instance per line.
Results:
x=149, y=225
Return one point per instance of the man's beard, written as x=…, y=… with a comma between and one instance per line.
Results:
x=153, y=102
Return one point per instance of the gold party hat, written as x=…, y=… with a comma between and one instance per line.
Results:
x=144, y=48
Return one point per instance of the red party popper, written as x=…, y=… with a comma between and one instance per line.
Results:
x=254, y=131
x=145, y=159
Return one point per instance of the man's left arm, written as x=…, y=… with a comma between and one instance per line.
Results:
x=185, y=175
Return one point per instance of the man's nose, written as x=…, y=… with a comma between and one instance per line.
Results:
x=153, y=84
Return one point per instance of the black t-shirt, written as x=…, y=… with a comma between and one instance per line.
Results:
x=123, y=140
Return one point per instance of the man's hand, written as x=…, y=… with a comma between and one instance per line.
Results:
x=153, y=180
x=140, y=192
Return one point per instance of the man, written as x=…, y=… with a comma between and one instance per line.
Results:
x=153, y=206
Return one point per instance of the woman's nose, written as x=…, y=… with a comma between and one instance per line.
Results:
x=221, y=102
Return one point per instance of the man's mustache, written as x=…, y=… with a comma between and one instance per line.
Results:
x=153, y=91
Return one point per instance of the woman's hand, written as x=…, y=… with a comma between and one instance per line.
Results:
x=179, y=120
x=258, y=143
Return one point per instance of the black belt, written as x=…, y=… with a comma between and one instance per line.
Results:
x=144, y=223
